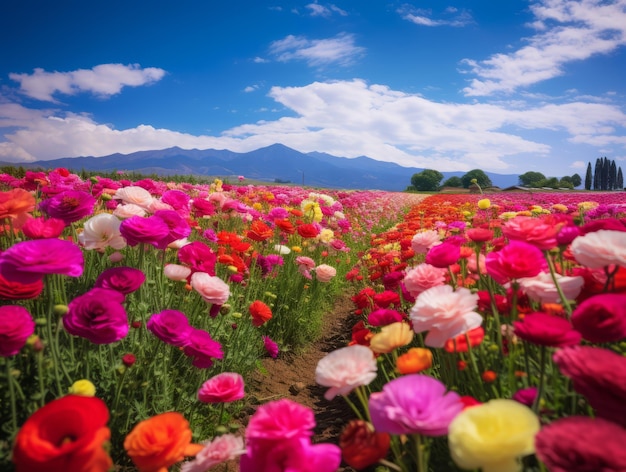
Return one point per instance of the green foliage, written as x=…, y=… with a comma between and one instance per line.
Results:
x=529, y=179
x=481, y=178
x=427, y=180
x=453, y=181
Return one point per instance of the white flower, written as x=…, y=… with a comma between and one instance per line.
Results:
x=102, y=231
x=136, y=195
x=541, y=288
x=600, y=249
x=345, y=369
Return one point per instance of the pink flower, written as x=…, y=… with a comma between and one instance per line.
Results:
x=127, y=211
x=28, y=261
x=171, y=327
x=325, y=273
x=221, y=449
x=199, y=257
x=152, y=230
x=270, y=347
x=176, y=272
x=121, y=279
x=102, y=231
x=16, y=325
x=580, y=443
x=541, y=288
x=305, y=264
x=601, y=318
x=281, y=419
x=178, y=227
x=443, y=255
x=222, y=388
x=600, y=249
x=98, y=316
x=383, y=317
x=444, y=313
x=345, y=369
x=135, y=195
x=424, y=240
x=422, y=277
x=546, y=330
x=414, y=404
x=212, y=289
x=69, y=206
x=40, y=228
x=536, y=231
x=203, y=349
x=598, y=374
x=525, y=396
x=516, y=260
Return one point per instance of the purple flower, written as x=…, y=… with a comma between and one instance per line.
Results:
x=414, y=404
x=121, y=279
x=171, y=327
x=16, y=325
x=28, y=261
x=152, y=230
x=98, y=316
x=69, y=206
x=270, y=347
x=203, y=349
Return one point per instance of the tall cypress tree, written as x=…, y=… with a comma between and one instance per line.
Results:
x=620, y=179
x=597, y=175
x=606, y=167
x=588, y=177
x=612, y=177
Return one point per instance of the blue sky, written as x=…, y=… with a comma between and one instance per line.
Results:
x=504, y=86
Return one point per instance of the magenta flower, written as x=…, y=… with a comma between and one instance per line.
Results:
x=171, y=327
x=203, y=349
x=525, y=396
x=270, y=347
x=98, y=316
x=198, y=256
x=178, y=227
x=443, y=255
x=28, y=261
x=546, y=330
x=384, y=317
x=414, y=404
x=69, y=206
x=121, y=279
x=516, y=260
x=601, y=318
x=16, y=325
x=222, y=388
x=138, y=230
x=177, y=199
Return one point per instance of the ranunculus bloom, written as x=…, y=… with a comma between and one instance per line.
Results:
x=600, y=249
x=221, y=449
x=424, y=240
x=101, y=231
x=536, y=231
x=135, y=195
x=270, y=346
x=541, y=288
x=414, y=404
x=516, y=260
x=152, y=230
x=203, y=348
x=260, y=313
x=121, y=279
x=390, y=337
x=179, y=229
x=28, y=261
x=83, y=387
x=444, y=313
x=171, y=327
x=422, y=277
x=40, y=228
x=601, y=318
x=10, y=290
x=98, y=316
x=479, y=235
x=493, y=436
x=525, y=396
x=325, y=273
x=443, y=255
x=580, y=443
x=546, y=330
x=16, y=325
x=361, y=446
x=278, y=437
x=459, y=343
x=198, y=256
x=176, y=272
x=259, y=231
x=67, y=434
x=160, y=442
x=15, y=205
x=177, y=199
x=222, y=388
x=598, y=374
x=128, y=211
x=414, y=361
x=69, y=206
x=345, y=369
x=212, y=289
x=308, y=231
x=383, y=317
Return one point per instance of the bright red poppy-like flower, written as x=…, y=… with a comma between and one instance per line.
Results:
x=19, y=291
x=260, y=312
x=308, y=230
x=67, y=434
x=459, y=343
x=361, y=446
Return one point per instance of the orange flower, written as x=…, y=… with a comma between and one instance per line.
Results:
x=15, y=205
x=489, y=376
x=260, y=312
x=285, y=226
x=459, y=343
x=259, y=231
x=414, y=360
x=159, y=442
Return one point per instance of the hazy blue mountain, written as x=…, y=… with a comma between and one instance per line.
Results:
x=273, y=163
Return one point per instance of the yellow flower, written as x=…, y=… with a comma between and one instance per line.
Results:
x=83, y=387
x=326, y=235
x=391, y=337
x=493, y=436
x=296, y=249
x=559, y=207
x=484, y=203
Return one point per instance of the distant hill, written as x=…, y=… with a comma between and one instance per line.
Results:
x=275, y=163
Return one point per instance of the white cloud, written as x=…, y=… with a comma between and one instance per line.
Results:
x=343, y=118
x=103, y=80
x=567, y=31
x=250, y=88
x=578, y=165
x=452, y=17
x=325, y=11
x=317, y=52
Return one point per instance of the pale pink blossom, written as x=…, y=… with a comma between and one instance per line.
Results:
x=600, y=249
x=116, y=256
x=324, y=272
x=424, y=240
x=541, y=288
x=178, y=243
x=136, y=195
x=444, y=313
x=221, y=449
x=102, y=231
x=129, y=210
x=473, y=267
x=219, y=198
x=422, y=277
x=176, y=272
x=305, y=265
x=213, y=289
x=156, y=205
x=345, y=369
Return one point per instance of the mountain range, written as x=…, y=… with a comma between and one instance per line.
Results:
x=275, y=163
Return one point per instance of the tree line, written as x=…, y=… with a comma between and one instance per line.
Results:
x=607, y=176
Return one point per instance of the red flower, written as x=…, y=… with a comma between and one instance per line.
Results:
x=259, y=231
x=260, y=312
x=308, y=230
x=129, y=359
x=19, y=291
x=386, y=298
x=365, y=298
x=361, y=446
x=65, y=435
x=459, y=343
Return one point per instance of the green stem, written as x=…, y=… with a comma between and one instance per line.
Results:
x=13, y=400
x=354, y=408
x=420, y=454
x=542, y=370
x=564, y=300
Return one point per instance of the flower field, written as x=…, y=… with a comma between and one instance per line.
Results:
x=488, y=332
